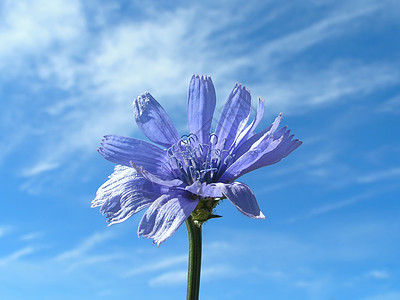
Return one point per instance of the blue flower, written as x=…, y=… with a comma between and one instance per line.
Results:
x=188, y=175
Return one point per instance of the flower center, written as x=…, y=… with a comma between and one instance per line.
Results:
x=191, y=160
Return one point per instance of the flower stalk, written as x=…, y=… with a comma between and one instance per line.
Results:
x=194, y=266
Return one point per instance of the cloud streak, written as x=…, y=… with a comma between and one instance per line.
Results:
x=15, y=256
x=333, y=206
x=391, y=173
x=84, y=247
x=166, y=263
x=112, y=65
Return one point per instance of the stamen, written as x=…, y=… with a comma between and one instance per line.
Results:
x=213, y=139
x=191, y=160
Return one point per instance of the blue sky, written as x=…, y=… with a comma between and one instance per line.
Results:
x=69, y=71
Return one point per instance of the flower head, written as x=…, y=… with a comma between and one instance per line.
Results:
x=188, y=175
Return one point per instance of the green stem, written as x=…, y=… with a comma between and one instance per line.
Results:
x=194, y=267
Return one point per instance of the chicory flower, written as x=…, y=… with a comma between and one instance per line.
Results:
x=175, y=177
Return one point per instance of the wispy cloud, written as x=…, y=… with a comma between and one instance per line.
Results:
x=380, y=175
x=28, y=28
x=31, y=236
x=15, y=256
x=84, y=247
x=338, y=23
x=378, y=274
x=91, y=260
x=333, y=206
x=40, y=168
x=180, y=277
x=310, y=89
x=391, y=105
x=394, y=295
x=169, y=278
x=123, y=59
x=165, y=263
x=4, y=230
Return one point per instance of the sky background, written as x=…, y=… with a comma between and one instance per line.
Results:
x=69, y=71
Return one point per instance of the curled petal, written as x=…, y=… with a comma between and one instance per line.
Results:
x=123, y=150
x=283, y=150
x=154, y=121
x=247, y=144
x=156, y=179
x=243, y=198
x=280, y=147
x=165, y=215
x=264, y=145
x=125, y=194
x=201, y=105
x=204, y=190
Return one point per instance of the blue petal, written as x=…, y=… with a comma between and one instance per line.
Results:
x=240, y=166
x=164, y=181
x=125, y=194
x=204, y=190
x=154, y=121
x=201, y=105
x=280, y=146
x=234, y=117
x=246, y=145
x=123, y=150
x=249, y=130
x=243, y=198
x=283, y=150
x=165, y=216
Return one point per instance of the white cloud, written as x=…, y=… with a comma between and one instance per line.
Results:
x=309, y=89
x=31, y=236
x=10, y=142
x=4, y=230
x=391, y=105
x=169, y=278
x=39, y=169
x=207, y=273
x=377, y=274
x=338, y=23
x=91, y=260
x=380, y=175
x=80, y=256
x=333, y=206
x=85, y=246
x=218, y=271
x=100, y=72
x=395, y=295
x=30, y=28
x=165, y=263
x=15, y=256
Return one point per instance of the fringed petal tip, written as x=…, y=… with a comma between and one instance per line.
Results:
x=154, y=241
x=201, y=77
x=201, y=106
x=124, y=194
x=94, y=205
x=145, y=94
x=154, y=121
x=242, y=87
